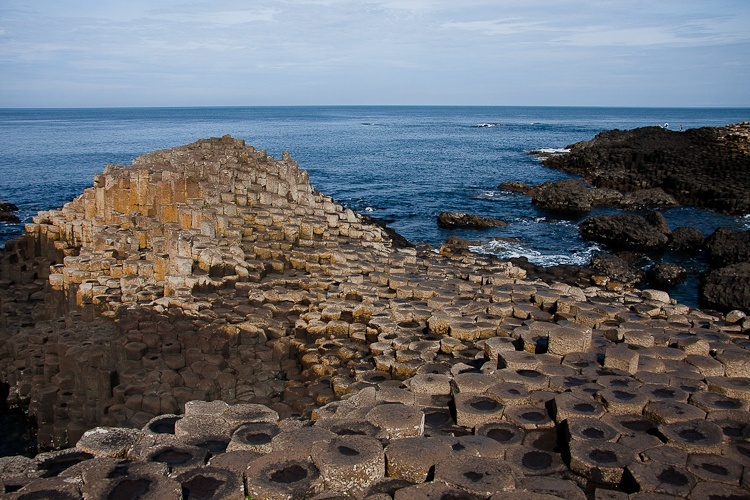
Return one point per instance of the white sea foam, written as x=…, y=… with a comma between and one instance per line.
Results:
x=552, y=151
x=491, y=195
x=512, y=249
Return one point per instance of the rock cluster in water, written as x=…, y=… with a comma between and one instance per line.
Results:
x=205, y=324
x=705, y=167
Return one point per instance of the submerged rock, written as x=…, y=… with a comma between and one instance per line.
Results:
x=453, y=220
x=6, y=214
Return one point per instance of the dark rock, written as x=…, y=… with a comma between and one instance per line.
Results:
x=647, y=199
x=727, y=288
x=686, y=239
x=706, y=167
x=517, y=187
x=666, y=274
x=453, y=220
x=617, y=268
x=627, y=232
x=727, y=246
x=5, y=213
x=9, y=217
x=605, y=197
x=566, y=195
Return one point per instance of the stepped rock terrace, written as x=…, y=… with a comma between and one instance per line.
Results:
x=205, y=321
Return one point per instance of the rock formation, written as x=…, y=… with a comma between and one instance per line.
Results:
x=205, y=323
x=706, y=167
x=6, y=212
x=627, y=231
x=454, y=220
x=727, y=283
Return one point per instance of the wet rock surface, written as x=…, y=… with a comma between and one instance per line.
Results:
x=247, y=335
x=6, y=212
x=705, y=167
x=453, y=220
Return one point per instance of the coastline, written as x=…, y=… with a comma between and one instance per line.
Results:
x=214, y=272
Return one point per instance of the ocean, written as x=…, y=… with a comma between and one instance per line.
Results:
x=402, y=164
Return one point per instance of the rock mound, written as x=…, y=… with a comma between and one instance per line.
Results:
x=454, y=220
x=705, y=167
x=627, y=231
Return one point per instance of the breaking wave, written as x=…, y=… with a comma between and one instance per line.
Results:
x=513, y=249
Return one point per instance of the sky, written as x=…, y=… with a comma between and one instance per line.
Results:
x=105, y=53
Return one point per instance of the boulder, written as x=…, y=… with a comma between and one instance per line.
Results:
x=627, y=231
x=517, y=187
x=686, y=239
x=666, y=274
x=454, y=220
x=6, y=214
x=727, y=246
x=727, y=288
x=617, y=268
x=565, y=195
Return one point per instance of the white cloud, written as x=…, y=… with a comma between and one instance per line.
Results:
x=495, y=27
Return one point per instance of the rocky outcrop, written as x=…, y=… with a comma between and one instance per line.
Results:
x=573, y=195
x=686, y=239
x=706, y=167
x=332, y=363
x=455, y=220
x=6, y=212
x=565, y=195
x=627, y=231
x=727, y=246
x=619, y=267
x=727, y=287
x=666, y=274
x=727, y=284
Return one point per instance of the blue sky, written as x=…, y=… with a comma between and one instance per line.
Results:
x=306, y=52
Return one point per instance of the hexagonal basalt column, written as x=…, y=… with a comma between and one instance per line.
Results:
x=255, y=437
x=350, y=463
x=397, y=420
x=412, y=459
x=693, y=436
x=655, y=477
x=475, y=409
x=210, y=482
x=278, y=476
x=476, y=475
x=534, y=462
x=600, y=461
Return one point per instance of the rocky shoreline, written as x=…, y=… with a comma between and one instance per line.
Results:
x=205, y=324
x=704, y=167
x=651, y=169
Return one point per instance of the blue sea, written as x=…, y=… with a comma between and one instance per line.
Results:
x=402, y=164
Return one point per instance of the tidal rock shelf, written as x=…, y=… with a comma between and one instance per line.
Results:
x=204, y=324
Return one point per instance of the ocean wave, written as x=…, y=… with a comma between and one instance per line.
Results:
x=487, y=125
x=491, y=195
x=553, y=151
x=512, y=249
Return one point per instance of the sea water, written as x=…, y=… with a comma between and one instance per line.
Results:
x=401, y=164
